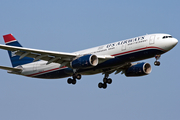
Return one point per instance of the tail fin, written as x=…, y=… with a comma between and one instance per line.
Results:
x=10, y=40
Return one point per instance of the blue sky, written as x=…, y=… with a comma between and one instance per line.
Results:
x=69, y=26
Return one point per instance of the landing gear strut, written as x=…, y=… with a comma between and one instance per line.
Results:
x=106, y=81
x=73, y=79
x=157, y=63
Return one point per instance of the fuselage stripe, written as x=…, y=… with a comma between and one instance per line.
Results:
x=138, y=50
x=35, y=74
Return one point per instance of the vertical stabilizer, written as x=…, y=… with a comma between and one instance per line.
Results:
x=10, y=40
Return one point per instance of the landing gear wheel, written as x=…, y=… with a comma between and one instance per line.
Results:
x=78, y=76
x=74, y=81
x=157, y=63
x=104, y=85
x=109, y=80
x=69, y=81
x=105, y=80
x=100, y=85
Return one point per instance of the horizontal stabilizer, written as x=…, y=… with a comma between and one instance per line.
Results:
x=11, y=69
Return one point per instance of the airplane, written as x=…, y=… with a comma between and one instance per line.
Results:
x=116, y=57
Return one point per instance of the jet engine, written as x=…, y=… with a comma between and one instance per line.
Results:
x=138, y=69
x=85, y=61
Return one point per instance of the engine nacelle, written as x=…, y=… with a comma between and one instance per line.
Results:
x=85, y=61
x=139, y=69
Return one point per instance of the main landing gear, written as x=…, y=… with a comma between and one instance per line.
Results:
x=73, y=79
x=103, y=84
x=106, y=81
x=157, y=63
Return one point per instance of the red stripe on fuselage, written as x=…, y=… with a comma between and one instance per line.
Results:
x=46, y=71
x=138, y=50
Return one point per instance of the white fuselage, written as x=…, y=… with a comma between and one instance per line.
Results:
x=126, y=48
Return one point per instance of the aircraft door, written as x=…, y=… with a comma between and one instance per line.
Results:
x=152, y=39
x=35, y=66
x=123, y=47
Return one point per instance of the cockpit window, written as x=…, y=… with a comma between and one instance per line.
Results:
x=167, y=37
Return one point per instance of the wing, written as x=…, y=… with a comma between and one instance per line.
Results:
x=11, y=69
x=118, y=69
x=49, y=56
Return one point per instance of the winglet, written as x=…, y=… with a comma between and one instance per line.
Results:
x=8, y=38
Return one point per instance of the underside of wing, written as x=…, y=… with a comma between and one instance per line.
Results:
x=118, y=69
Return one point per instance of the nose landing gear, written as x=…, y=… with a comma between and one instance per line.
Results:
x=157, y=63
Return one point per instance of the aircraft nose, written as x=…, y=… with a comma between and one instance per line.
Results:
x=174, y=41
x=170, y=43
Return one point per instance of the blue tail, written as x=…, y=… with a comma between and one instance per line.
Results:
x=10, y=40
